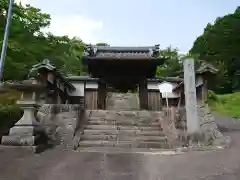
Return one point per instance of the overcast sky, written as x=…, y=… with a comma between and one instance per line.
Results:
x=134, y=22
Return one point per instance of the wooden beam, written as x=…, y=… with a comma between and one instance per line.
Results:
x=143, y=94
x=102, y=88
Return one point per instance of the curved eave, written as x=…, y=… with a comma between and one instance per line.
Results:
x=207, y=72
x=65, y=80
x=60, y=76
x=81, y=78
x=179, y=86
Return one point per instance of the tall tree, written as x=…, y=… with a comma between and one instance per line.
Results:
x=28, y=45
x=173, y=64
x=220, y=44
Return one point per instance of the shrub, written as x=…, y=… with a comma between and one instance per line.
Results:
x=212, y=96
x=227, y=104
x=9, y=110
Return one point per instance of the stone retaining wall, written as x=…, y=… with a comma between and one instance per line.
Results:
x=60, y=122
x=211, y=135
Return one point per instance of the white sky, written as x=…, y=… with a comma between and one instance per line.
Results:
x=134, y=22
x=69, y=24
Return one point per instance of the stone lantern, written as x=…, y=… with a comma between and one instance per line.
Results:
x=27, y=131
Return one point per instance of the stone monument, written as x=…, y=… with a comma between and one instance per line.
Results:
x=193, y=123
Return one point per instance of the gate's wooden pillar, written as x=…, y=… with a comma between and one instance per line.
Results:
x=102, y=92
x=44, y=81
x=54, y=95
x=143, y=94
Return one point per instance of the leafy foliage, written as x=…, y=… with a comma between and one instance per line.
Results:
x=9, y=111
x=28, y=45
x=174, y=63
x=172, y=66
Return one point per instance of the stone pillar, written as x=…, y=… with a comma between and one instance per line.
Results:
x=193, y=123
x=27, y=130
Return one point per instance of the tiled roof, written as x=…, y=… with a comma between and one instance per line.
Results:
x=173, y=79
x=205, y=67
x=46, y=64
x=81, y=78
x=122, y=52
x=125, y=49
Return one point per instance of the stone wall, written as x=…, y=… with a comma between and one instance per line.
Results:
x=211, y=135
x=60, y=122
x=168, y=122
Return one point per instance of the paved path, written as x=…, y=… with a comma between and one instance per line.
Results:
x=68, y=165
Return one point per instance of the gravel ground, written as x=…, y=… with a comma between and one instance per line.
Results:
x=69, y=165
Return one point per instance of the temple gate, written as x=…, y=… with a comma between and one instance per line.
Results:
x=122, y=69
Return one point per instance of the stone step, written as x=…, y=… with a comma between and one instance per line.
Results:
x=124, y=118
x=112, y=114
x=112, y=127
x=123, y=144
x=129, y=132
x=123, y=122
x=125, y=138
x=116, y=150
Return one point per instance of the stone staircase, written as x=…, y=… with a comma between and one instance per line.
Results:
x=123, y=129
x=119, y=127
x=122, y=101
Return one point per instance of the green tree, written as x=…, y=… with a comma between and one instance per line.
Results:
x=28, y=45
x=219, y=45
x=173, y=64
x=73, y=63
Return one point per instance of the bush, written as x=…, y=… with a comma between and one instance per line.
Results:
x=227, y=104
x=212, y=96
x=9, y=110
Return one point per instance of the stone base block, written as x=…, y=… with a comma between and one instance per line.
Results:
x=195, y=138
x=15, y=140
x=24, y=130
x=224, y=142
x=20, y=151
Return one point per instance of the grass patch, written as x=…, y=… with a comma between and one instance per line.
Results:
x=227, y=104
